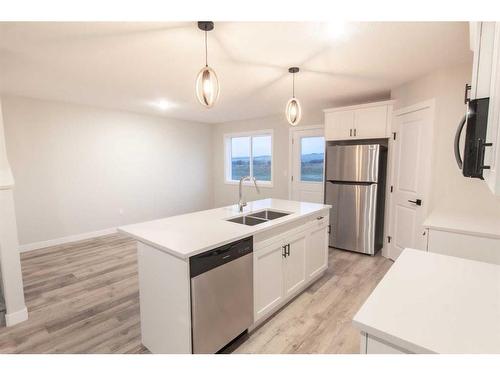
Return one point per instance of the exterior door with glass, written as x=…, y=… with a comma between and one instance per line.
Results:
x=307, y=165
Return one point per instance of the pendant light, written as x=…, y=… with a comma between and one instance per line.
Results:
x=293, y=110
x=207, y=84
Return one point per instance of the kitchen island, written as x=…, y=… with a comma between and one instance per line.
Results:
x=290, y=251
x=433, y=303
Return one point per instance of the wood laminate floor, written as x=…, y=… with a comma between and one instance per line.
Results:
x=83, y=298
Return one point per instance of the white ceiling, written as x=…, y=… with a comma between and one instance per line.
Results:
x=130, y=65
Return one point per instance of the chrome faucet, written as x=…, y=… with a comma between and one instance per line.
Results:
x=242, y=203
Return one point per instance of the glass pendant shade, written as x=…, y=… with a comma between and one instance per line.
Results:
x=293, y=111
x=207, y=87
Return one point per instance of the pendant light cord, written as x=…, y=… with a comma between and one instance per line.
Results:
x=206, y=49
x=293, y=85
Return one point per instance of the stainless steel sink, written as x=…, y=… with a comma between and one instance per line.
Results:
x=259, y=217
x=269, y=214
x=247, y=220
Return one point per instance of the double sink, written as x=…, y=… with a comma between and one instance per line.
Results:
x=258, y=217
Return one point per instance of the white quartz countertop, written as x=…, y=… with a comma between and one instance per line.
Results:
x=433, y=303
x=186, y=235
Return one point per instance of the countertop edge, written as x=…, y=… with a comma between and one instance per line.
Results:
x=221, y=243
x=391, y=339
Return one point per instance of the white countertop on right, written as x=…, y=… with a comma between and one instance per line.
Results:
x=433, y=303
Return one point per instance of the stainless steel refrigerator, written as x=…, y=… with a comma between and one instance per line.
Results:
x=355, y=187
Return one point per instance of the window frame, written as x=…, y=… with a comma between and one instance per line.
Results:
x=227, y=156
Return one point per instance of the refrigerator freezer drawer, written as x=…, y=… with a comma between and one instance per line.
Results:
x=355, y=163
x=352, y=217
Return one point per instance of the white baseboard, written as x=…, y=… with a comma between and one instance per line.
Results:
x=16, y=317
x=64, y=240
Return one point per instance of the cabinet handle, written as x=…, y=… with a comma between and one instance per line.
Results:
x=354, y=131
x=350, y=132
x=319, y=218
x=288, y=251
x=283, y=251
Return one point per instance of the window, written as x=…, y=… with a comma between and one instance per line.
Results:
x=312, y=159
x=249, y=155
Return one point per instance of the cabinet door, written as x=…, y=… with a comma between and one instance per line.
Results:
x=371, y=122
x=317, y=251
x=339, y=125
x=295, y=264
x=492, y=154
x=268, y=279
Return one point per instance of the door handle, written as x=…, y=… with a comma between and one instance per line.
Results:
x=418, y=202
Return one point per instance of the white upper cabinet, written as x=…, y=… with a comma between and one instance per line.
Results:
x=485, y=44
x=339, y=125
x=482, y=40
x=367, y=121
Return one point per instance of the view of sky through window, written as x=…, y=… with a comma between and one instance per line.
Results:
x=251, y=155
x=312, y=159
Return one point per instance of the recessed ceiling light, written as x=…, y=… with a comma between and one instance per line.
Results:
x=161, y=104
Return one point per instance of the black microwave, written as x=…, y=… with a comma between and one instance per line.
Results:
x=475, y=122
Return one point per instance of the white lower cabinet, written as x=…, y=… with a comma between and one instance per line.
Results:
x=295, y=265
x=286, y=264
x=468, y=246
x=268, y=281
x=373, y=345
x=317, y=251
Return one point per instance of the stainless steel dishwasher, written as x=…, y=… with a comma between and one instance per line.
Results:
x=221, y=295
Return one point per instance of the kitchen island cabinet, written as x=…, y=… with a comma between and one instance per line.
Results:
x=289, y=253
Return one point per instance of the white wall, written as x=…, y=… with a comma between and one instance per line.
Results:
x=11, y=280
x=226, y=194
x=451, y=191
x=81, y=169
